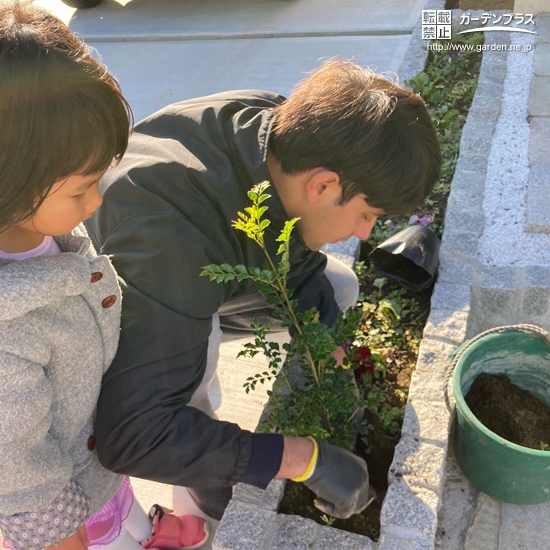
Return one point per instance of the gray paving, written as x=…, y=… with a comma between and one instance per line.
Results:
x=204, y=67
x=219, y=19
x=163, y=51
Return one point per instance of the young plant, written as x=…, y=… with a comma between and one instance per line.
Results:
x=324, y=401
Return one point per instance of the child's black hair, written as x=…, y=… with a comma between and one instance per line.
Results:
x=61, y=112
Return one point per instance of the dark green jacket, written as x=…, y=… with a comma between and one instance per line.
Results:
x=167, y=212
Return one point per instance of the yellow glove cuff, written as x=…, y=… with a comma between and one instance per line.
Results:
x=312, y=463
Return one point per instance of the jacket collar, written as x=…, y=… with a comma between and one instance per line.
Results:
x=77, y=241
x=252, y=148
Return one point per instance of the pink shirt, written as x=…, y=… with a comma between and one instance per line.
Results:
x=48, y=247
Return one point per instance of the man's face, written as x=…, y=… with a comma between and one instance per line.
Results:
x=336, y=222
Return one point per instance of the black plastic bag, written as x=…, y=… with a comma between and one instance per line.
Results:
x=410, y=257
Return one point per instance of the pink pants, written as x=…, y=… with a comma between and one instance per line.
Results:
x=106, y=524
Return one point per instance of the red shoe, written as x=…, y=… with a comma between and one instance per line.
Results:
x=174, y=532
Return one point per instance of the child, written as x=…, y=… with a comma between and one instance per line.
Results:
x=63, y=121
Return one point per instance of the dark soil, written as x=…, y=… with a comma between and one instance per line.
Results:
x=298, y=500
x=378, y=451
x=509, y=411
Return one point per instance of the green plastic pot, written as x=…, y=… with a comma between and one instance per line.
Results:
x=501, y=469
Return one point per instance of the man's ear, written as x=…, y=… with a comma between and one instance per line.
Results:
x=323, y=186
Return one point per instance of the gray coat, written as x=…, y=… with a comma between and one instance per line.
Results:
x=59, y=330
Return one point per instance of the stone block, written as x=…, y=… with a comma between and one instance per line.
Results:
x=500, y=277
x=455, y=271
x=542, y=25
x=479, y=113
x=409, y=69
x=427, y=421
x=536, y=301
x=538, y=198
x=493, y=307
x=542, y=60
x=538, y=96
x=434, y=356
x=495, y=66
x=294, y=532
x=427, y=387
x=335, y=539
x=418, y=464
x=244, y=528
x=474, y=164
x=458, y=505
x=407, y=514
x=534, y=531
x=496, y=300
x=451, y=296
x=464, y=197
x=464, y=220
x=494, y=82
x=488, y=94
x=389, y=542
x=459, y=243
x=267, y=500
x=484, y=532
x=472, y=181
x=539, y=144
x=537, y=276
x=498, y=37
x=447, y=324
x=476, y=138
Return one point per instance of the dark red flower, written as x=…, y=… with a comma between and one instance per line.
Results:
x=365, y=365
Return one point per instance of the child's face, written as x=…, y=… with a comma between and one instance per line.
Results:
x=69, y=202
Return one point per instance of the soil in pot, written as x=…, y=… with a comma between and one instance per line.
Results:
x=509, y=411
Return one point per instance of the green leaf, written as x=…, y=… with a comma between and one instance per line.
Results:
x=263, y=198
x=261, y=211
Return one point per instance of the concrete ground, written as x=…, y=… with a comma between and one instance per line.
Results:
x=163, y=51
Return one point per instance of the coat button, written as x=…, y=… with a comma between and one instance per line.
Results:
x=108, y=302
x=91, y=443
x=96, y=276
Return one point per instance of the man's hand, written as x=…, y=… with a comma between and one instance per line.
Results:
x=340, y=481
x=296, y=457
x=339, y=355
x=77, y=541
